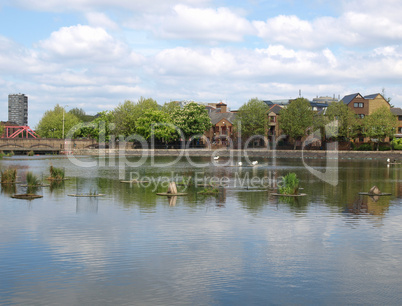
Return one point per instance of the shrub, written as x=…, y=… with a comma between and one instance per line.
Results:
x=31, y=153
x=290, y=184
x=56, y=173
x=8, y=176
x=384, y=148
x=397, y=143
x=364, y=147
x=32, y=180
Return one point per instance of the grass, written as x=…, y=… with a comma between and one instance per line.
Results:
x=8, y=176
x=33, y=183
x=290, y=184
x=56, y=173
x=32, y=180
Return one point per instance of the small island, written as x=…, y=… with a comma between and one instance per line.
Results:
x=290, y=187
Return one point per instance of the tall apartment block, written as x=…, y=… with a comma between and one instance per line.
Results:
x=18, y=109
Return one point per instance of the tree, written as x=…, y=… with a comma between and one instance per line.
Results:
x=347, y=125
x=158, y=124
x=192, y=119
x=253, y=118
x=380, y=124
x=127, y=114
x=81, y=115
x=100, y=128
x=51, y=124
x=170, y=107
x=296, y=119
x=1, y=129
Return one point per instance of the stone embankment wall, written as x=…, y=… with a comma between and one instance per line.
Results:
x=381, y=155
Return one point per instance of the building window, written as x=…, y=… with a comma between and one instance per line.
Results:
x=361, y=116
x=358, y=105
x=400, y=130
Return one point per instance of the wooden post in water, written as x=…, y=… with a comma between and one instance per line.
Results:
x=172, y=188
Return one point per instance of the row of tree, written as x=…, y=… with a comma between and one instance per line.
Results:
x=338, y=121
x=144, y=117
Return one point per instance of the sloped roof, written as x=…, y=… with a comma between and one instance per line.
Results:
x=319, y=104
x=347, y=99
x=275, y=109
x=217, y=116
x=396, y=111
x=373, y=96
x=278, y=102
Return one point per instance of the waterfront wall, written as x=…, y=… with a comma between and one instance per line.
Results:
x=261, y=153
x=43, y=144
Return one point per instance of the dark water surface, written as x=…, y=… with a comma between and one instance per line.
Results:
x=242, y=246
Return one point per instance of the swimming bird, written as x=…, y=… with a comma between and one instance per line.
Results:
x=216, y=157
x=240, y=164
x=388, y=160
x=254, y=163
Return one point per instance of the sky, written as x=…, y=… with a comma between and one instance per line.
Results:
x=95, y=54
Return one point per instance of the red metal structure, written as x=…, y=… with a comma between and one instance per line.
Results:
x=15, y=131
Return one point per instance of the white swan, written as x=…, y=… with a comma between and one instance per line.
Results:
x=216, y=157
x=254, y=163
x=240, y=164
x=388, y=160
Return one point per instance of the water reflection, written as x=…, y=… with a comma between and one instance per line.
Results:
x=371, y=205
x=57, y=186
x=8, y=189
x=172, y=200
x=87, y=205
x=241, y=246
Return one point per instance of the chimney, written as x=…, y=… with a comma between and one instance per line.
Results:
x=223, y=107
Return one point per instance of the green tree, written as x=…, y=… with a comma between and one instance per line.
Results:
x=170, y=107
x=158, y=123
x=380, y=124
x=81, y=115
x=253, y=118
x=51, y=124
x=100, y=128
x=127, y=114
x=192, y=119
x=1, y=129
x=346, y=124
x=296, y=119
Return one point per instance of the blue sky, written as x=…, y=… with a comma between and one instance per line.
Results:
x=95, y=54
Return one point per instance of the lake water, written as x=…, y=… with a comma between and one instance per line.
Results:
x=241, y=246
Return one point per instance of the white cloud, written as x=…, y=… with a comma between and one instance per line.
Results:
x=101, y=63
x=101, y=20
x=208, y=24
x=91, y=5
x=187, y=61
x=331, y=58
x=83, y=42
x=352, y=28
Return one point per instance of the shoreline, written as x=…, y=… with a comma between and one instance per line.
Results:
x=262, y=153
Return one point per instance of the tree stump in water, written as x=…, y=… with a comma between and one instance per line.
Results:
x=172, y=188
x=374, y=190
